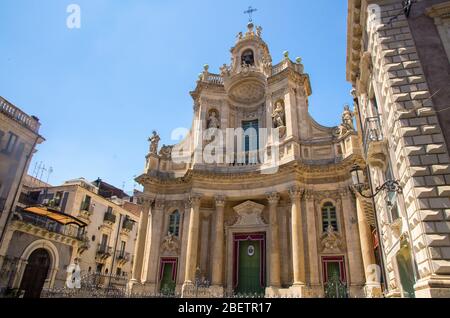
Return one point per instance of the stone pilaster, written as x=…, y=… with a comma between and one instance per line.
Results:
x=372, y=286
x=218, y=253
x=192, y=245
x=298, y=251
x=352, y=241
x=274, y=276
x=154, y=235
x=314, y=264
x=139, y=248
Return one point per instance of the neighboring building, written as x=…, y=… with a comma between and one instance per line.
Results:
x=19, y=135
x=398, y=61
x=99, y=232
x=287, y=225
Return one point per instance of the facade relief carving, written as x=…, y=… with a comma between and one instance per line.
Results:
x=331, y=241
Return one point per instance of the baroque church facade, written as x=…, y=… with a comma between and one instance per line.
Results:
x=273, y=214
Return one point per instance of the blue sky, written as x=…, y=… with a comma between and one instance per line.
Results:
x=100, y=90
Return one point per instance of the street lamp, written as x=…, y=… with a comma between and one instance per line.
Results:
x=359, y=183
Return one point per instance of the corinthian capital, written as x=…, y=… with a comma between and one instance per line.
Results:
x=159, y=204
x=296, y=192
x=273, y=198
x=220, y=200
x=194, y=200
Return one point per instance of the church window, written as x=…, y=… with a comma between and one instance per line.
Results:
x=329, y=217
x=248, y=58
x=174, y=223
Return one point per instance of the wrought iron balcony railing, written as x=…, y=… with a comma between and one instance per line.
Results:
x=109, y=217
x=372, y=132
x=128, y=224
x=123, y=256
x=104, y=249
x=50, y=225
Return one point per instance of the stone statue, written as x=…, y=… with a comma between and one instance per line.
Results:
x=278, y=115
x=347, y=118
x=154, y=140
x=213, y=121
x=166, y=152
x=347, y=123
x=258, y=31
x=239, y=36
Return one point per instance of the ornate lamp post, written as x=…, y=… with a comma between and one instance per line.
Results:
x=359, y=184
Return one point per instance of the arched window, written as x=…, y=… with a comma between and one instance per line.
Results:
x=174, y=223
x=248, y=58
x=329, y=216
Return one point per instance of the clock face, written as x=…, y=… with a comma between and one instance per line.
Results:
x=251, y=250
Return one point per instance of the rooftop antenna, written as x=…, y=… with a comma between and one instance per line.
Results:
x=250, y=11
x=50, y=170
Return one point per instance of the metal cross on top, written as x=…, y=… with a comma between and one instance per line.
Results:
x=250, y=11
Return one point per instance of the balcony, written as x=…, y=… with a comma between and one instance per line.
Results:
x=47, y=228
x=109, y=218
x=127, y=225
x=375, y=148
x=30, y=122
x=123, y=257
x=86, y=210
x=103, y=252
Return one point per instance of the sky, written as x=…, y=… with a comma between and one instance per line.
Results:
x=100, y=90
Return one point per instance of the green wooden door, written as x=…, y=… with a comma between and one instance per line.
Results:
x=167, y=284
x=249, y=268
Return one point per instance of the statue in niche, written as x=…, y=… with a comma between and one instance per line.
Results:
x=154, y=140
x=213, y=121
x=278, y=115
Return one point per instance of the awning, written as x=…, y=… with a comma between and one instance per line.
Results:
x=57, y=216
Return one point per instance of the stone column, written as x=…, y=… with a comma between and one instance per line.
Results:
x=298, y=251
x=373, y=288
x=355, y=265
x=139, y=248
x=314, y=264
x=154, y=234
x=217, y=263
x=192, y=244
x=275, y=281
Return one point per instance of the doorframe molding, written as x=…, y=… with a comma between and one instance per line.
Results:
x=54, y=262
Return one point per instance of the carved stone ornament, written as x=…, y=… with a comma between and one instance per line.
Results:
x=331, y=241
x=170, y=244
x=249, y=213
x=166, y=152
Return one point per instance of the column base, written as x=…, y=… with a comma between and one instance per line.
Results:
x=217, y=291
x=298, y=291
x=373, y=290
x=394, y=294
x=433, y=287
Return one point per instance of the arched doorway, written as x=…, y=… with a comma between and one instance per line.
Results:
x=35, y=273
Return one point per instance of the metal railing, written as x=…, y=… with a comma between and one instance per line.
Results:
x=104, y=249
x=109, y=217
x=50, y=225
x=372, y=131
x=128, y=224
x=22, y=118
x=123, y=256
